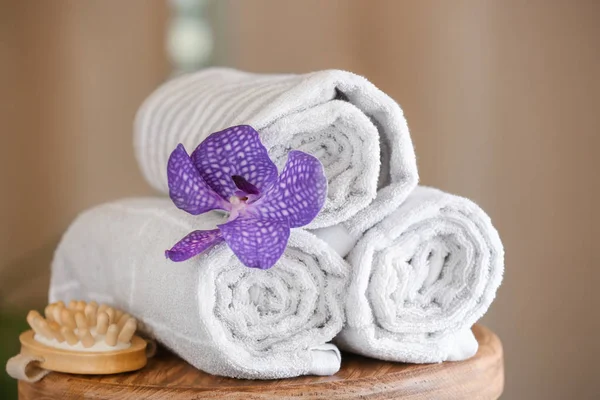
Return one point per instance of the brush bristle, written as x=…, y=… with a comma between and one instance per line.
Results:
x=83, y=322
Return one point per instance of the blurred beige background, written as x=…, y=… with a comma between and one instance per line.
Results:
x=502, y=99
x=72, y=74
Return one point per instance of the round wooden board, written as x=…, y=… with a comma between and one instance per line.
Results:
x=168, y=377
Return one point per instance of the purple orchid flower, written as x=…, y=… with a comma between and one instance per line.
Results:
x=232, y=171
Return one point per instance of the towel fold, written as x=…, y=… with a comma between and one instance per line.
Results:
x=358, y=132
x=220, y=316
x=420, y=279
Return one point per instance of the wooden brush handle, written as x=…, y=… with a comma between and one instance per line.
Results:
x=26, y=368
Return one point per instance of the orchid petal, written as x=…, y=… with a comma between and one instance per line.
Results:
x=298, y=195
x=258, y=243
x=234, y=151
x=187, y=189
x=193, y=244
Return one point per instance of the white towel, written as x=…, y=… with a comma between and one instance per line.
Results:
x=420, y=279
x=339, y=117
x=220, y=316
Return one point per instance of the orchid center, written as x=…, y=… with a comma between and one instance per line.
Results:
x=246, y=194
x=236, y=200
x=238, y=206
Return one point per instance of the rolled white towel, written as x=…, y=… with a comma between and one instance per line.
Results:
x=220, y=316
x=357, y=132
x=420, y=279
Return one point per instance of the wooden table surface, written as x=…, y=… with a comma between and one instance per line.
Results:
x=168, y=377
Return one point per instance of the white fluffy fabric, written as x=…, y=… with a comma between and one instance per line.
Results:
x=420, y=279
x=358, y=132
x=220, y=316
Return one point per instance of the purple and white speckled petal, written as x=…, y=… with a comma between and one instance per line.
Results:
x=187, y=189
x=298, y=195
x=234, y=151
x=258, y=243
x=193, y=244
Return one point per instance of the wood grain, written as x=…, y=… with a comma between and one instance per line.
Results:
x=168, y=377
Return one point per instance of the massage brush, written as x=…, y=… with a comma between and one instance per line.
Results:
x=81, y=338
